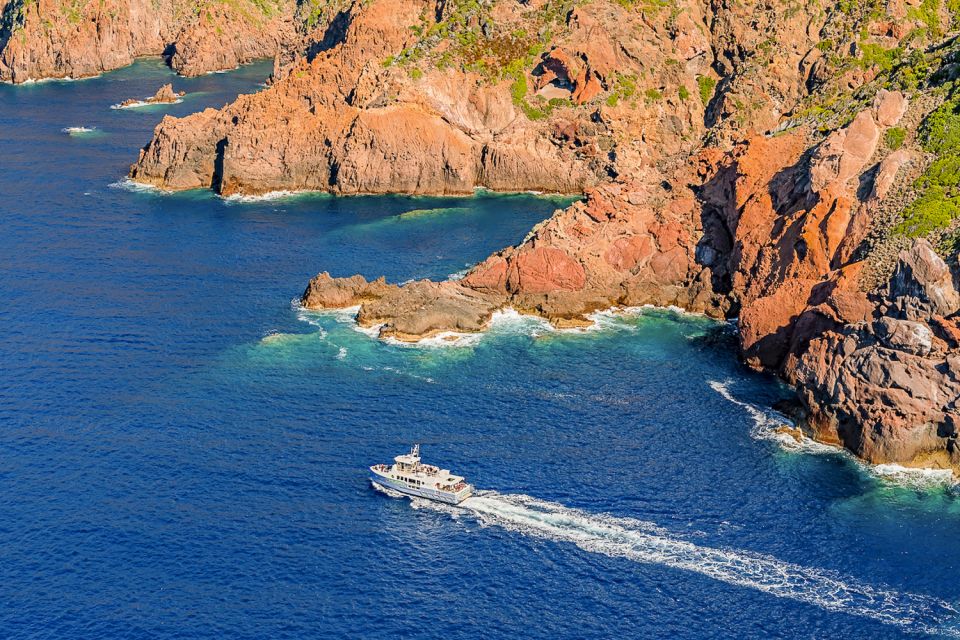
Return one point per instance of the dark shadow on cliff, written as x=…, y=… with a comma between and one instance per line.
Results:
x=334, y=35
x=216, y=182
x=720, y=250
x=168, y=52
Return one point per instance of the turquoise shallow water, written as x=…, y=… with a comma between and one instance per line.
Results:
x=184, y=451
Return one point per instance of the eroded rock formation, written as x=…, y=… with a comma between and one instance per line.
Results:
x=164, y=95
x=55, y=39
x=759, y=161
x=888, y=387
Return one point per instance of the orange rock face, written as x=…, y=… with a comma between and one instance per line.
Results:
x=342, y=120
x=544, y=270
x=56, y=40
x=887, y=386
x=723, y=198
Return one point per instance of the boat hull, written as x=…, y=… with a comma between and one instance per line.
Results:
x=424, y=492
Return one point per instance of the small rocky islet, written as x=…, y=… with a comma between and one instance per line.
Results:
x=164, y=95
x=794, y=169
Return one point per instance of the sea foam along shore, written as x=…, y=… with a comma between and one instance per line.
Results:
x=238, y=198
x=776, y=427
x=144, y=103
x=138, y=187
x=30, y=81
x=503, y=321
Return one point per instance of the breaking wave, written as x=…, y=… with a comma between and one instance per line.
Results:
x=645, y=542
x=132, y=185
x=460, y=275
x=506, y=321
x=143, y=103
x=770, y=425
x=78, y=131
x=239, y=198
x=30, y=81
x=439, y=340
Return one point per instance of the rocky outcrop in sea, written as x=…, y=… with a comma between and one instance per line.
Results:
x=164, y=95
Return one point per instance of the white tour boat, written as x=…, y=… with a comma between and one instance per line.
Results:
x=408, y=475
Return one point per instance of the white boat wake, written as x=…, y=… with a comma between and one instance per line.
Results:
x=647, y=543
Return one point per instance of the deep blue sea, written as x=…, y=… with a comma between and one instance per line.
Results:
x=183, y=452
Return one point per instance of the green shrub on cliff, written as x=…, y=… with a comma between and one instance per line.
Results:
x=317, y=12
x=706, y=84
x=875, y=55
x=941, y=129
x=624, y=87
x=938, y=204
x=929, y=14
x=894, y=137
x=931, y=211
x=518, y=89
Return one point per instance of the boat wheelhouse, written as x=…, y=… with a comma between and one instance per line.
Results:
x=410, y=476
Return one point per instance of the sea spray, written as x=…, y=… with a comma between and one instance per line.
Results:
x=127, y=184
x=139, y=104
x=269, y=196
x=768, y=425
x=506, y=321
x=78, y=131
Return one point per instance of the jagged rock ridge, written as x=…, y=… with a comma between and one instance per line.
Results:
x=768, y=161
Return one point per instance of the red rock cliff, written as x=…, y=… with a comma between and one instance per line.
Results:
x=55, y=39
x=759, y=161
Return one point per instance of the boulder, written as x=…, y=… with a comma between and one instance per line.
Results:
x=922, y=284
x=904, y=335
x=889, y=107
x=887, y=173
x=844, y=153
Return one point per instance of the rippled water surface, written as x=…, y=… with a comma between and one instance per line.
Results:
x=182, y=451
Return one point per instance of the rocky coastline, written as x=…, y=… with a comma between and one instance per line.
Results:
x=787, y=166
x=50, y=39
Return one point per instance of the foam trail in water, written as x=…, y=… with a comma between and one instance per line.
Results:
x=647, y=543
